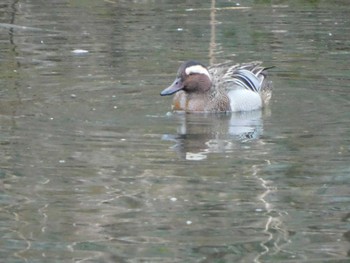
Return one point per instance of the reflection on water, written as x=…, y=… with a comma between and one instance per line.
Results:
x=202, y=134
x=93, y=169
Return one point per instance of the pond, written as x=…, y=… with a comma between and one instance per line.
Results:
x=95, y=167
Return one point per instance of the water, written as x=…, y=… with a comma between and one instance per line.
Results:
x=94, y=168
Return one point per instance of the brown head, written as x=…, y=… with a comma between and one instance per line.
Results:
x=192, y=77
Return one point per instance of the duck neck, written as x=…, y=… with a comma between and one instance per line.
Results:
x=206, y=84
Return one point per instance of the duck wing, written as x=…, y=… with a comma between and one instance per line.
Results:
x=248, y=76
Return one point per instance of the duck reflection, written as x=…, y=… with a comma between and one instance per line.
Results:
x=200, y=134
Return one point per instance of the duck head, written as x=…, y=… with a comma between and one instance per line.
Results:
x=192, y=77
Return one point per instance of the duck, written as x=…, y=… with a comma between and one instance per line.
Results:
x=224, y=87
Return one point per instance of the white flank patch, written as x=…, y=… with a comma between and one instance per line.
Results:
x=197, y=69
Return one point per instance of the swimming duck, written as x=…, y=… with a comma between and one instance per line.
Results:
x=220, y=88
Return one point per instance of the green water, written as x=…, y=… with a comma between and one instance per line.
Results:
x=94, y=168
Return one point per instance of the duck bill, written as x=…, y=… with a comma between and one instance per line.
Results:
x=173, y=88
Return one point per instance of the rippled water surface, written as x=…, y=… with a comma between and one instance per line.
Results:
x=94, y=167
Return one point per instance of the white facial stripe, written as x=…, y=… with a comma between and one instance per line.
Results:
x=197, y=69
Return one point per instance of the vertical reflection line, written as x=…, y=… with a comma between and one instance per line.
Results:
x=12, y=21
x=18, y=254
x=17, y=65
x=20, y=222
x=272, y=222
x=269, y=219
x=13, y=84
x=212, y=44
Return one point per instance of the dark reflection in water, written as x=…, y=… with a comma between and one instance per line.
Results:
x=94, y=169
